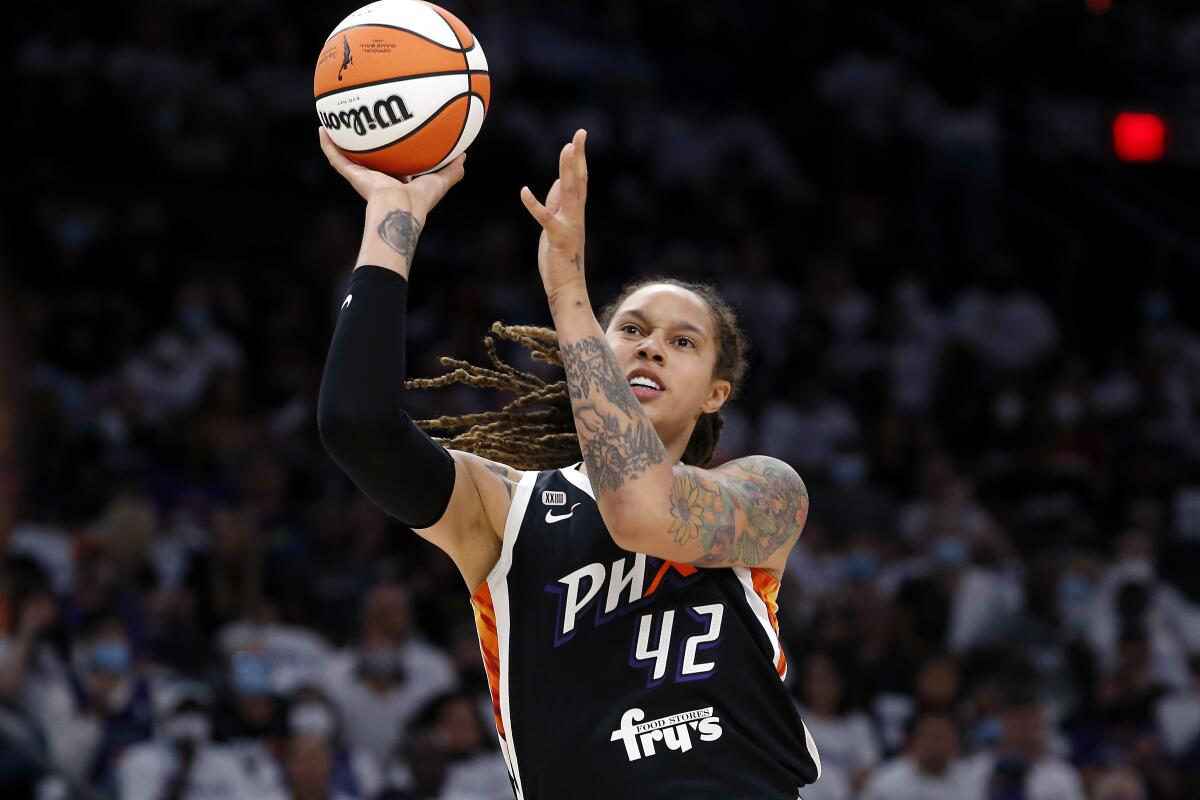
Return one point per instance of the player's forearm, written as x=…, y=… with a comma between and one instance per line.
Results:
x=359, y=408
x=389, y=234
x=628, y=467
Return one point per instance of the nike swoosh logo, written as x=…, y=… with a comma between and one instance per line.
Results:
x=552, y=517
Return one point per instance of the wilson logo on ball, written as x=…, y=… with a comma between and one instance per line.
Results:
x=384, y=114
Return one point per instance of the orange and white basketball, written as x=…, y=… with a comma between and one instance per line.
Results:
x=402, y=86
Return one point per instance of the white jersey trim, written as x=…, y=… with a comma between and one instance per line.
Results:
x=760, y=613
x=512, y=525
x=497, y=581
x=577, y=478
x=759, y=607
x=812, y=750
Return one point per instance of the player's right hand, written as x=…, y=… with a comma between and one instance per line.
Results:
x=418, y=195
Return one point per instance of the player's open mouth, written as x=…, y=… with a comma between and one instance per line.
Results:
x=645, y=385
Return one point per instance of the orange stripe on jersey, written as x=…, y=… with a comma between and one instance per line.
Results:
x=766, y=586
x=685, y=570
x=489, y=645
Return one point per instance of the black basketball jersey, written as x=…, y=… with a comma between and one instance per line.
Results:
x=618, y=675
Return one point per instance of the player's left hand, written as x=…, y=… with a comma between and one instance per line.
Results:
x=560, y=249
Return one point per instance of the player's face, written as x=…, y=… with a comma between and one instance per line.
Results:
x=666, y=333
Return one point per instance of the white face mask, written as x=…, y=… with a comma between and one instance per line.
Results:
x=311, y=718
x=191, y=726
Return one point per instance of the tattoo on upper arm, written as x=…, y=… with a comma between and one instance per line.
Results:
x=705, y=510
x=618, y=441
x=505, y=474
x=399, y=230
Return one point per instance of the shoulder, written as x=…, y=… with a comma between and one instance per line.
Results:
x=766, y=486
x=768, y=469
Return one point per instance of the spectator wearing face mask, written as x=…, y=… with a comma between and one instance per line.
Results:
x=1021, y=765
x=182, y=763
x=380, y=685
x=112, y=708
x=354, y=771
x=956, y=604
x=249, y=719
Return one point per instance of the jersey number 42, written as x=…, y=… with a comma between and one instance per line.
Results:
x=659, y=628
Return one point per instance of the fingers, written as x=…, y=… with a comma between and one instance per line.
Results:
x=449, y=175
x=554, y=197
x=568, y=192
x=566, y=174
x=457, y=165
x=336, y=158
x=435, y=184
x=572, y=171
x=536, y=209
x=580, y=164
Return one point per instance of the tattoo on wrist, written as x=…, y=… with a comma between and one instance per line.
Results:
x=399, y=231
x=618, y=441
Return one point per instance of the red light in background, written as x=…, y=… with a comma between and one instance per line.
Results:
x=1099, y=6
x=1139, y=137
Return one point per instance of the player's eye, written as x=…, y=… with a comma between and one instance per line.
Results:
x=686, y=341
x=625, y=328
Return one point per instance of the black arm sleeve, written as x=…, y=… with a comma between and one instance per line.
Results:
x=359, y=417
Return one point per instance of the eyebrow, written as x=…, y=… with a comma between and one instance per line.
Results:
x=679, y=323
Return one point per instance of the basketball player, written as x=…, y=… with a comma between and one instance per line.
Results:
x=625, y=602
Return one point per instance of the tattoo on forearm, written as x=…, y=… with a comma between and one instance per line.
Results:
x=772, y=505
x=399, y=230
x=617, y=440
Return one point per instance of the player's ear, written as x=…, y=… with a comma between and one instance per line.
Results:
x=718, y=393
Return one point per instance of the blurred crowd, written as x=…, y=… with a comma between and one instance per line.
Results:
x=993, y=402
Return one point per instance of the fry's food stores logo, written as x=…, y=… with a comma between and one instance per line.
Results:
x=674, y=731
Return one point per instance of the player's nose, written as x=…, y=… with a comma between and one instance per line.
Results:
x=650, y=349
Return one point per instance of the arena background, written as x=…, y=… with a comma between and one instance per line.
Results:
x=974, y=335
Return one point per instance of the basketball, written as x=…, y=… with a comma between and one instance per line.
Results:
x=402, y=86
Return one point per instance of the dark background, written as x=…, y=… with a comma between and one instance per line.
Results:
x=973, y=333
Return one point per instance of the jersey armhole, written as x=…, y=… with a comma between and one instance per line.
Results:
x=512, y=526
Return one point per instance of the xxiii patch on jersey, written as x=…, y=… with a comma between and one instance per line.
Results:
x=617, y=675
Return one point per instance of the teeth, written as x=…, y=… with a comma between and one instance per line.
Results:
x=641, y=380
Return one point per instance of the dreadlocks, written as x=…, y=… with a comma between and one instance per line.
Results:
x=537, y=430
